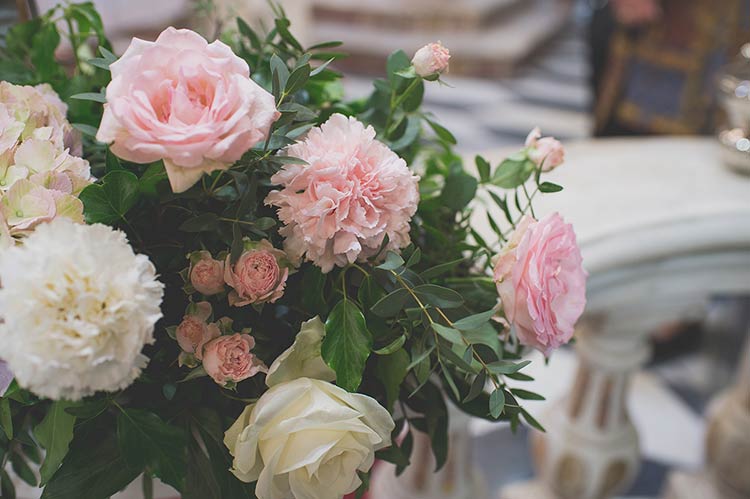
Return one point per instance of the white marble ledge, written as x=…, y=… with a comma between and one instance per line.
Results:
x=635, y=199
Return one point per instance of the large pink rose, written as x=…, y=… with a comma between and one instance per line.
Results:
x=353, y=192
x=185, y=101
x=194, y=331
x=547, y=152
x=206, y=274
x=258, y=276
x=541, y=282
x=228, y=359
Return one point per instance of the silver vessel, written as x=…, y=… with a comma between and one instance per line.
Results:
x=734, y=96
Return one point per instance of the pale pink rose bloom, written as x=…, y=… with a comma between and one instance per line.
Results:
x=228, y=359
x=353, y=192
x=541, y=282
x=432, y=59
x=546, y=152
x=257, y=276
x=207, y=274
x=194, y=331
x=187, y=102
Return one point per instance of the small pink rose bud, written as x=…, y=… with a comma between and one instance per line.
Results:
x=547, y=152
x=431, y=60
x=257, y=276
x=206, y=274
x=194, y=332
x=228, y=359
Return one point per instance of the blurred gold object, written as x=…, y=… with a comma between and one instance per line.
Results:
x=734, y=96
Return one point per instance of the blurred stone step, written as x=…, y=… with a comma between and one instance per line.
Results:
x=487, y=50
x=519, y=117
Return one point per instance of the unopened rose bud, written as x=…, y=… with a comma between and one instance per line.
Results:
x=431, y=60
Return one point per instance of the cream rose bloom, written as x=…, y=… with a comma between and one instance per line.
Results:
x=303, y=358
x=307, y=439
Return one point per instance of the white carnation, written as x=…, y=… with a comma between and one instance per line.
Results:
x=78, y=306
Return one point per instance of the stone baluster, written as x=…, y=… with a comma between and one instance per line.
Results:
x=590, y=449
x=727, y=446
x=458, y=479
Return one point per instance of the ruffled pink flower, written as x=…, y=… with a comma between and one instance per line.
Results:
x=206, y=274
x=353, y=192
x=194, y=331
x=546, y=152
x=258, y=276
x=228, y=359
x=187, y=102
x=432, y=59
x=541, y=282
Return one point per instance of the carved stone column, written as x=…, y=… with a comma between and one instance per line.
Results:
x=727, y=447
x=458, y=479
x=590, y=449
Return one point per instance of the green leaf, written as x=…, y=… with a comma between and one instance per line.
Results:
x=392, y=346
x=280, y=73
x=154, y=174
x=474, y=321
x=411, y=132
x=440, y=269
x=549, y=187
x=483, y=167
x=109, y=201
x=85, y=129
x=391, y=304
x=297, y=79
x=397, y=61
x=511, y=173
x=90, y=96
x=6, y=419
x=497, y=403
x=531, y=421
x=54, y=434
x=458, y=191
x=507, y=366
x=7, y=489
x=477, y=386
x=392, y=261
x=147, y=441
x=443, y=133
x=450, y=334
x=205, y=222
x=93, y=469
x=525, y=394
x=391, y=371
x=22, y=469
x=438, y=296
x=347, y=344
x=45, y=41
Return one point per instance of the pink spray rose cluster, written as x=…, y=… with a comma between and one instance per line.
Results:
x=546, y=152
x=541, y=282
x=186, y=101
x=206, y=274
x=258, y=276
x=41, y=172
x=431, y=60
x=353, y=191
x=226, y=355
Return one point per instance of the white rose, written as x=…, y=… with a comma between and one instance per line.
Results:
x=307, y=439
x=302, y=359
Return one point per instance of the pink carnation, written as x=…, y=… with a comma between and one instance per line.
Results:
x=546, y=152
x=257, y=276
x=206, y=274
x=541, y=282
x=432, y=59
x=228, y=359
x=353, y=192
x=187, y=102
x=194, y=331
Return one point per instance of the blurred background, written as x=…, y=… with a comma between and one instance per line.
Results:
x=652, y=98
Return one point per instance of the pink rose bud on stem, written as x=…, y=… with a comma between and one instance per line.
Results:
x=206, y=274
x=541, y=282
x=194, y=331
x=257, y=276
x=431, y=60
x=547, y=152
x=227, y=359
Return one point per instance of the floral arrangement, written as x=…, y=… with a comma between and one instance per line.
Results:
x=226, y=275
